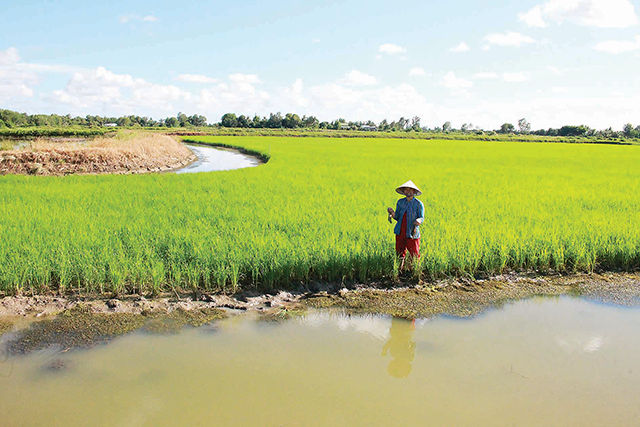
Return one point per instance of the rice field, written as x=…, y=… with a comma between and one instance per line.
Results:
x=316, y=212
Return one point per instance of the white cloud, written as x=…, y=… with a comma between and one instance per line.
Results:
x=244, y=78
x=618, y=46
x=452, y=82
x=358, y=78
x=462, y=47
x=508, y=39
x=195, y=78
x=559, y=89
x=391, y=48
x=315, y=40
x=129, y=18
x=15, y=81
x=533, y=18
x=515, y=77
x=417, y=71
x=486, y=75
x=592, y=13
x=93, y=89
x=294, y=94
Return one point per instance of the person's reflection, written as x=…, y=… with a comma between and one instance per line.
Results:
x=401, y=346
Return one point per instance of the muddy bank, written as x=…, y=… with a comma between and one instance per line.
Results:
x=128, y=154
x=68, y=322
x=80, y=327
x=404, y=299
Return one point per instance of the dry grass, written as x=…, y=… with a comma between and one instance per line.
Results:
x=127, y=153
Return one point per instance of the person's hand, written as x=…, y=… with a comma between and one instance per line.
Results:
x=416, y=223
x=390, y=210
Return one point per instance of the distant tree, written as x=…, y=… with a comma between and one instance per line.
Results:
x=524, y=126
x=324, y=125
x=197, y=120
x=415, y=124
x=229, y=120
x=171, y=122
x=243, y=121
x=182, y=119
x=581, y=130
x=464, y=128
x=274, y=121
x=291, y=121
x=257, y=122
x=123, y=121
x=311, y=122
x=446, y=127
x=507, y=128
x=629, y=131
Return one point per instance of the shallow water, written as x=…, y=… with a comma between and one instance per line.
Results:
x=545, y=361
x=217, y=159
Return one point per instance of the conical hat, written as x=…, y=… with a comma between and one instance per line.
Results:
x=408, y=184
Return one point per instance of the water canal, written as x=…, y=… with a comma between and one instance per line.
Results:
x=211, y=159
x=542, y=361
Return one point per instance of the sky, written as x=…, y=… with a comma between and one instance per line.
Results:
x=554, y=62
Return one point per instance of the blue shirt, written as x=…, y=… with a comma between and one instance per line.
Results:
x=414, y=210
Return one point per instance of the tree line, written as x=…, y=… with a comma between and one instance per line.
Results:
x=12, y=119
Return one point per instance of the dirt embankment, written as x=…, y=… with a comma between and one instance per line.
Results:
x=127, y=153
x=454, y=297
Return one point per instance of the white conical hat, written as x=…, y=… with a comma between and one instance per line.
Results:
x=408, y=184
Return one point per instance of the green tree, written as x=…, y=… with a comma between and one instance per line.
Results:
x=229, y=120
x=524, y=126
x=291, y=121
x=446, y=127
x=507, y=128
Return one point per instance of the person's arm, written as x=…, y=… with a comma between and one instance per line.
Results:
x=392, y=212
x=420, y=218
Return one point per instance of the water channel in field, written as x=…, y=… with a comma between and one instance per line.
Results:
x=543, y=361
x=211, y=159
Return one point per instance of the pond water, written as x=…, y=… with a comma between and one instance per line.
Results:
x=217, y=159
x=558, y=361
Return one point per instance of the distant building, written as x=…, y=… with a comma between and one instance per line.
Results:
x=345, y=126
x=110, y=125
x=368, y=128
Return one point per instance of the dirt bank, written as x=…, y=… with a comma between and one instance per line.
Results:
x=454, y=297
x=127, y=153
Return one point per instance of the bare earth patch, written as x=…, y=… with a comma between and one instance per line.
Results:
x=127, y=153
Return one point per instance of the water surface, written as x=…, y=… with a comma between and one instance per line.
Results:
x=558, y=361
x=217, y=159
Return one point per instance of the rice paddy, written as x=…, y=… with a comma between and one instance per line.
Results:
x=316, y=212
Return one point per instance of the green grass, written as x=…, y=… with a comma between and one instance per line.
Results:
x=316, y=211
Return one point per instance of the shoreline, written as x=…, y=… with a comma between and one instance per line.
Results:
x=455, y=297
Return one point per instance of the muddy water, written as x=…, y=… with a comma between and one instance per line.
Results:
x=538, y=362
x=217, y=159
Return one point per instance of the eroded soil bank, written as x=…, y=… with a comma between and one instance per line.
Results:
x=452, y=297
x=128, y=153
x=79, y=321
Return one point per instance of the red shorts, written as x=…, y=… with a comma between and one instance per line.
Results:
x=404, y=243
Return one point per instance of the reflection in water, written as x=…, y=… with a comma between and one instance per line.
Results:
x=401, y=346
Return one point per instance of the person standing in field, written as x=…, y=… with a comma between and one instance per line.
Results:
x=409, y=214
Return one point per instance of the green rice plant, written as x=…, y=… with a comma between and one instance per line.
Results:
x=316, y=212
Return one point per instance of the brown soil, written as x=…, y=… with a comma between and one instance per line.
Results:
x=454, y=297
x=128, y=153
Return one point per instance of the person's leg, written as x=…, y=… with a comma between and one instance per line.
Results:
x=413, y=246
x=401, y=249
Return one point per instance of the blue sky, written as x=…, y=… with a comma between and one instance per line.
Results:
x=553, y=62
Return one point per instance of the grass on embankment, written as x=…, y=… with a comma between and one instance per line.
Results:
x=125, y=153
x=316, y=211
